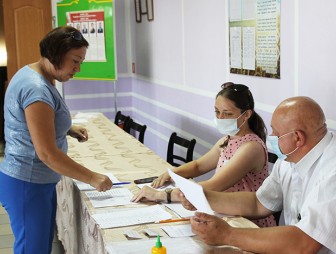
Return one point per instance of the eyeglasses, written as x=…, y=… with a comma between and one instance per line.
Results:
x=76, y=35
x=235, y=87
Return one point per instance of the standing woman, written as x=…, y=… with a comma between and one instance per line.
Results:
x=239, y=157
x=37, y=121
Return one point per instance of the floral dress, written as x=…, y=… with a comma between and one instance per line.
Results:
x=252, y=180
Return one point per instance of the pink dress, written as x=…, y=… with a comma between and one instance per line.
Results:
x=251, y=181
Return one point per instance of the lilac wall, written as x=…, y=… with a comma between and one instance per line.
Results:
x=181, y=59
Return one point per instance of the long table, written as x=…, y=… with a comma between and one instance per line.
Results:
x=108, y=150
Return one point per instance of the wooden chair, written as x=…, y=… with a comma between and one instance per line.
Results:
x=121, y=120
x=188, y=144
x=272, y=158
x=136, y=129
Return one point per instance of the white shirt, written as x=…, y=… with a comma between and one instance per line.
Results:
x=306, y=192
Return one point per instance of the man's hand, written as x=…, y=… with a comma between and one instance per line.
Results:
x=211, y=229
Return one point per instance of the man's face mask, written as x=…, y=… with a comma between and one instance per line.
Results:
x=273, y=145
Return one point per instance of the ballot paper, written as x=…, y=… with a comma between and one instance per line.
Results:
x=113, y=197
x=82, y=118
x=178, y=230
x=183, y=245
x=86, y=115
x=180, y=210
x=193, y=192
x=132, y=216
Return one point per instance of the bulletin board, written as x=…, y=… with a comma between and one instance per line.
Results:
x=95, y=20
x=255, y=37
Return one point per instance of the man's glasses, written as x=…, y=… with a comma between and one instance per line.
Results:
x=76, y=35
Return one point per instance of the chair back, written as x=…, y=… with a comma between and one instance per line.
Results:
x=122, y=120
x=272, y=158
x=176, y=159
x=136, y=129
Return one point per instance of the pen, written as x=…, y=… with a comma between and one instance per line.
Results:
x=174, y=220
x=121, y=183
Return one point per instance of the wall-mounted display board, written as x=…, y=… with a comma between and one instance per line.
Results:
x=255, y=37
x=95, y=20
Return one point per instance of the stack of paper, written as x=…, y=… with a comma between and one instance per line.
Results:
x=180, y=210
x=132, y=216
x=178, y=230
x=113, y=197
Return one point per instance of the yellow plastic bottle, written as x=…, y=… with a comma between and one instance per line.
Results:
x=158, y=248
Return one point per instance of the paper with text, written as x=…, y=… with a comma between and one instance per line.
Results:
x=180, y=210
x=193, y=192
x=133, y=216
x=113, y=197
x=178, y=230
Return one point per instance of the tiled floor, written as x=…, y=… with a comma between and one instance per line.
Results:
x=7, y=238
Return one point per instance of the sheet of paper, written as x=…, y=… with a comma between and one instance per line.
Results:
x=132, y=234
x=79, y=121
x=132, y=216
x=87, y=115
x=151, y=232
x=178, y=230
x=85, y=187
x=193, y=192
x=180, y=210
x=113, y=197
x=181, y=245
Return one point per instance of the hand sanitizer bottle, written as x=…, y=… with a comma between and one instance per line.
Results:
x=158, y=248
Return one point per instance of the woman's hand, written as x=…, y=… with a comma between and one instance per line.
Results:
x=161, y=180
x=78, y=132
x=100, y=182
x=149, y=194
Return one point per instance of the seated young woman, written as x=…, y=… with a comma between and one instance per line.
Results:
x=239, y=157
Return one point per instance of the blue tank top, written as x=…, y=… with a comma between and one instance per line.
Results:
x=21, y=160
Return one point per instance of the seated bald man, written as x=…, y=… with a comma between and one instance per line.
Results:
x=302, y=184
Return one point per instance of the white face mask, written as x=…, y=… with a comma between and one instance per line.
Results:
x=228, y=126
x=272, y=143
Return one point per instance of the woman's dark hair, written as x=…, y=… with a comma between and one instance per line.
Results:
x=242, y=98
x=58, y=42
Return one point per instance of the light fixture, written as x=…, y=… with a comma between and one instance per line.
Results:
x=3, y=56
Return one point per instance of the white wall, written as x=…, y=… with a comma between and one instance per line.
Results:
x=187, y=47
x=182, y=58
x=185, y=51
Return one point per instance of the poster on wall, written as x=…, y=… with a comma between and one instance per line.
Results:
x=254, y=30
x=95, y=20
x=91, y=25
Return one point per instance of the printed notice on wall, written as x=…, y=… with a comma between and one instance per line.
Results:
x=255, y=37
x=91, y=24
